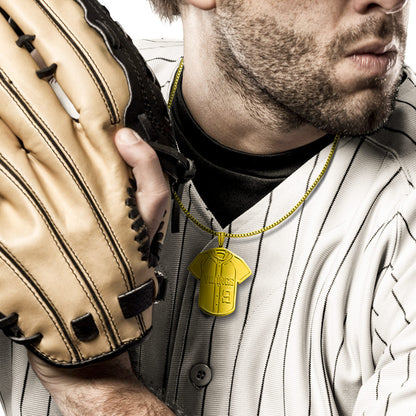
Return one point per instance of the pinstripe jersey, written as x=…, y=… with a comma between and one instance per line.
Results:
x=326, y=325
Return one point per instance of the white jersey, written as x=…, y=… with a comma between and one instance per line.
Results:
x=326, y=324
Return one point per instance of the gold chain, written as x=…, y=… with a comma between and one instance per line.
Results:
x=268, y=227
x=175, y=84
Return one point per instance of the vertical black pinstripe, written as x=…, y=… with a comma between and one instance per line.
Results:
x=337, y=356
x=49, y=405
x=284, y=293
x=2, y=401
x=24, y=389
x=296, y=297
x=396, y=242
x=391, y=353
x=300, y=283
x=211, y=337
x=400, y=306
x=411, y=81
x=378, y=383
x=139, y=359
x=380, y=338
x=382, y=227
x=406, y=102
x=185, y=342
x=334, y=279
x=401, y=132
x=248, y=302
x=387, y=405
x=407, y=226
x=408, y=370
x=172, y=314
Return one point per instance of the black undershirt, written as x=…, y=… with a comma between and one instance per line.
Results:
x=230, y=181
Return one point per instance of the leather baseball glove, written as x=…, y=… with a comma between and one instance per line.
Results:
x=77, y=280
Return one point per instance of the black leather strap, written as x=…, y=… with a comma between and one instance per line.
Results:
x=85, y=327
x=32, y=340
x=137, y=300
x=147, y=111
x=162, y=282
x=47, y=72
x=26, y=41
x=9, y=320
x=10, y=328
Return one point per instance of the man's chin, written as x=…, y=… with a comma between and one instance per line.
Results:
x=370, y=126
x=358, y=123
x=362, y=113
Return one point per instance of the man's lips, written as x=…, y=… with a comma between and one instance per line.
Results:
x=374, y=48
x=376, y=58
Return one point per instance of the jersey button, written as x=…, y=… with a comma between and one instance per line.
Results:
x=200, y=375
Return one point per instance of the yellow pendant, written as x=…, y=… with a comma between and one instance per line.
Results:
x=219, y=271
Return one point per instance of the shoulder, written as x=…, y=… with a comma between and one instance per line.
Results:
x=408, y=87
x=163, y=57
x=397, y=139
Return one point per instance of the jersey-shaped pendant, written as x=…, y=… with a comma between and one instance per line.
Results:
x=219, y=271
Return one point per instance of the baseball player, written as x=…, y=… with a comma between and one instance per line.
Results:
x=291, y=256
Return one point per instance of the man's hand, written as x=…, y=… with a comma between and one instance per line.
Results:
x=152, y=187
x=110, y=388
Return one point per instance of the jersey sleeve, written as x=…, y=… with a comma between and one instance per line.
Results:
x=391, y=389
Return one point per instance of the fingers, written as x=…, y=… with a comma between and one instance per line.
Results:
x=94, y=81
x=152, y=188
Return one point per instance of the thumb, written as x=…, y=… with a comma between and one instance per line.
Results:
x=152, y=193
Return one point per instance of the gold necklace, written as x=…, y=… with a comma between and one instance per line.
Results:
x=218, y=269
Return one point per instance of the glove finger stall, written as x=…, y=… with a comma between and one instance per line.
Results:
x=21, y=207
x=93, y=81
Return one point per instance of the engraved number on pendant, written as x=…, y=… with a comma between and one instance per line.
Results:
x=219, y=271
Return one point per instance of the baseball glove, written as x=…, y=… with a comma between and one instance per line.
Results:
x=77, y=280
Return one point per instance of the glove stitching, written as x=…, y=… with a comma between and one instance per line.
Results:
x=142, y=81
x=54, y=239
x=63, y=338
x=155, y=122
x=138, y=225
x=57, y=243
x=113, y=120
x=144, y=93
x=96, y=357
x=74, y=179
x=94, y=6
x=128, y=285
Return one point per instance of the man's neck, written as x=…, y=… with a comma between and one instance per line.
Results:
x=232, y=119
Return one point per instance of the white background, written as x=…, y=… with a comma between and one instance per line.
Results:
x=140, y=22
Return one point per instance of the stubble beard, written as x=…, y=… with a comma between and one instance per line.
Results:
x=286, y=81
